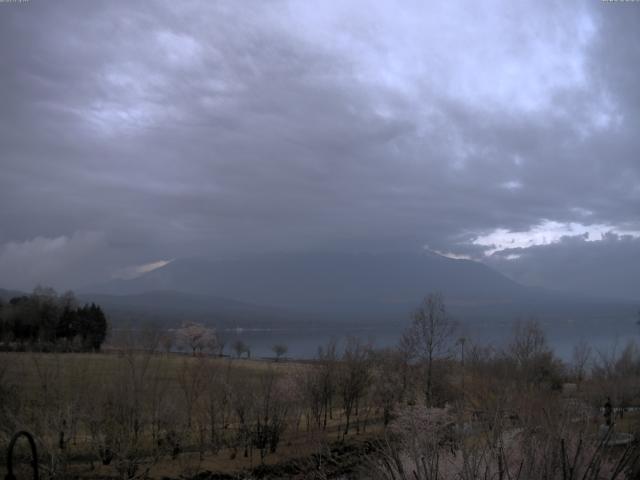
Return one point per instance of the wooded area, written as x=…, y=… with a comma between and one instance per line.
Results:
x=46, y=322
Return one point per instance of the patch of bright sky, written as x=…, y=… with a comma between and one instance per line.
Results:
x=180, y=50
x=491, y=55
x=584, y=212
x=110, y=118
x=512, y=185
x=603, y=115
x=136, y=90
x=545, y=233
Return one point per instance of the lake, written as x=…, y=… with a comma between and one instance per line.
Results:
x=603, y=335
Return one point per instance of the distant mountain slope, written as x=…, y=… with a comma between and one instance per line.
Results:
x=363, y=286
x=173, y=307
x=313, y=280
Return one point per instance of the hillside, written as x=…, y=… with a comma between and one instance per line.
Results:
x=173, y=307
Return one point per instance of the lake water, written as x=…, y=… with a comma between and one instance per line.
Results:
x=603, y=336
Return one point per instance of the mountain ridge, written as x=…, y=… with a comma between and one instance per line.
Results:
x=363, y=287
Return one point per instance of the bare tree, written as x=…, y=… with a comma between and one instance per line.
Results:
x=387, y=381
x=308, y=386
x=327, y=359
x=150, y=337
x=270, y=414
x=528, y=341
x=279, y=350
x=533, y=358
x=580, y=358
x=316, y=387
x=119, y=415
x=243, y=393
x=354, y=377
x=167, y=341
x=217, y=402
x=221, y=344
x=192, y=380
x=239, y=347
x=429, y=336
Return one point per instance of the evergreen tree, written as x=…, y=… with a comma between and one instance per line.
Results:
x=45, y=318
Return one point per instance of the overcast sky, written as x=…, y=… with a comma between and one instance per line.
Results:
x=136, y=132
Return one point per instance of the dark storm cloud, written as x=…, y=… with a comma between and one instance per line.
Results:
x=135, y=132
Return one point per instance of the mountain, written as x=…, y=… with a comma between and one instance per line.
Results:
x=314, y=280
x=362, y=287
x=173, y=307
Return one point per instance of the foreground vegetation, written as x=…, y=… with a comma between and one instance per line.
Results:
x=435, y=407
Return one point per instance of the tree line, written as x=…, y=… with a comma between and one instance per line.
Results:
x=46, y=321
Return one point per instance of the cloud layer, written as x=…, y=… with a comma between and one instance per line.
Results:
x=172, y=129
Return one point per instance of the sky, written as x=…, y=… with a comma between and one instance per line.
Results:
x=133, y=133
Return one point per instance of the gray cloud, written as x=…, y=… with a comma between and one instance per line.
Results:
x=44, y=260
x=224, y=128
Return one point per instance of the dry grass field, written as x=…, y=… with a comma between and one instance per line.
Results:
x=125, y=414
